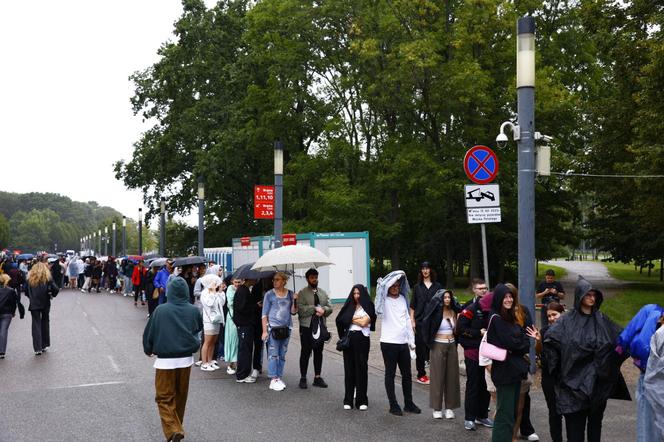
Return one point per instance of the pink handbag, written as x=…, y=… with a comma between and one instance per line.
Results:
x=489, y=352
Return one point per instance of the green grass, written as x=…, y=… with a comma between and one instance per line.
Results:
x=622, y=307
x=543, y=267
x=626, y=272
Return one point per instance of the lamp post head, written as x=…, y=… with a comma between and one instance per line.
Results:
x=278, y=158
x=106, y=230
x=162, y=205
x=201, y=188
x=113, y=225
x=525, y=52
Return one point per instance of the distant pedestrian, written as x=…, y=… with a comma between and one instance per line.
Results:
x=230, y=329
x=243, y=317
x=128, y=271
x=72, y=272
x=212, y=301
x=437, y=325
x=138, y=282
x=397, y=338
x=161, y=280
x=311, y=301
x=9, y=303
x=356, y=320
x=423, y=291
x=547, y=291
x=172, y=335
x=41, y=289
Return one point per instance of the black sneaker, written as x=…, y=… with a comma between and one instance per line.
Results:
x=319, y=382
x=303, y=383
x=412, y=408
x=2, y=355
x=396, y=410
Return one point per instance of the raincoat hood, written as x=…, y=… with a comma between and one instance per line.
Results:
x=214, y=270
x=345, y=316
x=177, y=291
x=499, y=293
x=383, y=284
x=583, y=286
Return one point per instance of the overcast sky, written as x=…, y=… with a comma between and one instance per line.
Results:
x=65, y=115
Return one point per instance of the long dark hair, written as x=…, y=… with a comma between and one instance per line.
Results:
x=345, y=317
x=499, y=293
x=432, y=275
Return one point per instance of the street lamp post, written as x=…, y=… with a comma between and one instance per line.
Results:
x=140, y=231
x=525, y=83
x=201, y=211
x=278, y=191
x=162, y=227
x=99, y=235
x=124, y=235
x=114, y=238
x=106, y=240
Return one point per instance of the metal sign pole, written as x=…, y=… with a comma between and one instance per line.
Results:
x=485, y=256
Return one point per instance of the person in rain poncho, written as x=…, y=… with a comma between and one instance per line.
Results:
x=580, y=350
x=397, y=338
x=212, y=302
x=654, y=379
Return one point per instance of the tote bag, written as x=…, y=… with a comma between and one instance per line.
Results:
x=490, y=352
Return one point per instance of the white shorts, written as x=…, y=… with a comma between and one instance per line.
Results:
x=211, y=329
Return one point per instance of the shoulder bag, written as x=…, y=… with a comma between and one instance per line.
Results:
x=283, y=332
x=490, y=352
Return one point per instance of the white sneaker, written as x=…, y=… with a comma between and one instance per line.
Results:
x=198, y=363
x=347, y=407
x=247, y=380
x=277, y=385
x=207, y=367
x=533, y=436
x=437, y=414
x=215, y=365
x=230, y=370
x=364, y=407
x=254, y=373
x=449, y=414
x=282, y=383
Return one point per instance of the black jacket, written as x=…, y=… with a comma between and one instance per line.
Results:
x=421, y=297
x=471, y=320
x=9, y=301
x=345, y=317
x=511, y=337
x=40, y=296
x=243, y=307
x=433, y=316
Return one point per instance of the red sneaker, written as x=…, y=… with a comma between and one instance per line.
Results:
x=424, y=380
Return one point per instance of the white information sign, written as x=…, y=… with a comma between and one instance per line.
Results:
x=481, y=215
x=487, y=195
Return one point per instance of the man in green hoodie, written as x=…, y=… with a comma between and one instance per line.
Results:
x=172, y=335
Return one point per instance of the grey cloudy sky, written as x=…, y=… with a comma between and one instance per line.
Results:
x=65, y=115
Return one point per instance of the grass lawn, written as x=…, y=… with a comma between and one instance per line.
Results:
x=622, y=307
x=626, y=272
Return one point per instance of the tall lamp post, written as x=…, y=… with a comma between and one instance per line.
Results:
x=278, y=191
x=99, y=235
x=114, y=238
x=140, y=231
x=162, y=227
x=106, y=240
x=201, y=211
x=124, y=235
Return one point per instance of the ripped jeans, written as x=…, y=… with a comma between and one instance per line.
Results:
x=276, y=356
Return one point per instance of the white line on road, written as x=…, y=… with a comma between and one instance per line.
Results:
x=115, y=366
x=95, y=331
x=87, y=385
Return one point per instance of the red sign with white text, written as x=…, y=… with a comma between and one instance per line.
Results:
x=263, y=202
x=288, y=239
x=245, y=241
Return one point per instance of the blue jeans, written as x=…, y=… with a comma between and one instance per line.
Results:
x=276, y=356
x=645, y=420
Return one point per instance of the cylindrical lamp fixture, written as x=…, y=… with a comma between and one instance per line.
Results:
x=201, y=188
x=124, y=235
x=201, y=212
x=114, y=237
x=525, y=52
x=162, y=227
x=140, y=231
x=278, y=158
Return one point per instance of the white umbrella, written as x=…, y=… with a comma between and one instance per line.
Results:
x=291, y=258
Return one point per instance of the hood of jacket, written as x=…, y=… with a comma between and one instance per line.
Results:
x=383, y=285
x=583, y=286
x=499, y=293
x=177, y=291
x=345, y=316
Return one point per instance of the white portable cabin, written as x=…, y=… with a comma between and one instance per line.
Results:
x=348, y=250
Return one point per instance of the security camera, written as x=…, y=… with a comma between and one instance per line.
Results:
x=545, y=138
x=501, y=140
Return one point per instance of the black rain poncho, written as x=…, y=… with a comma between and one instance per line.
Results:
x=580, y=350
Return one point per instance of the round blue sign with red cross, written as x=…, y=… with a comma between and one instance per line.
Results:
x=480, y=164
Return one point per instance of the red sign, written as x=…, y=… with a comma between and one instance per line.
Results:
x=263, y=202
x=480, y=164
x=245, y=241
x=288, y=239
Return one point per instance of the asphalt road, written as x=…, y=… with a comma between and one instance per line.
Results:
x=96, y=384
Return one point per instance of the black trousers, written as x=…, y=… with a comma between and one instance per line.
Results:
x=307, y=348
x=555, y=420
x=152, y=304
x=477, y=398
x=41, y=332
x=245, y=350
x=393, y=355
x=526, y=427
x=577, y=423
x=421, y=353
x=356, y=369
x=259, y=346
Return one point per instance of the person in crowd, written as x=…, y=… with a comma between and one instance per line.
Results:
x=523, y=423
x=80, y=264
x=258, y=291
x=152, y=294
x=72, y=272
x=111, y=272
x=423, y=291
x=437, y=324
x=56, y=272
x=138, y=282
x=128, y=271
x=97, y=272
x=161, y=280
x=581, y=354
x=397, y=338
x=276, y=320
x=635, y=341
x=471, y=326
x=504, y=331
x=547, y=291
x=311, y=300
x=486, y=303
x=230, y=329
x=653, y=381
x=10, y=301
x=172, y=335
x=212, y=301
x=87, y=272
x=17, y=279
x=356, y=320
x=554, y=312
x=41, y=289
x=243, y=318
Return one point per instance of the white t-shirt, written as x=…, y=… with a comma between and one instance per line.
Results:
x=360, y=313
x=173, y=363
x=395, y=320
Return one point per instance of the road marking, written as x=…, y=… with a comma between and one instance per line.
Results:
x=95, y=331
x=97, y=384
x=115, y=366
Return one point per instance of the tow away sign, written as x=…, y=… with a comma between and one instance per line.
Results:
x=482, y=203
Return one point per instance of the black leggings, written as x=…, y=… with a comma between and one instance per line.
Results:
x=305, y=353
x=577, y=424
x=393, y=355
x=356, y=369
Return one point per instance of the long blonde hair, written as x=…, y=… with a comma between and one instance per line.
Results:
x=39, y=274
